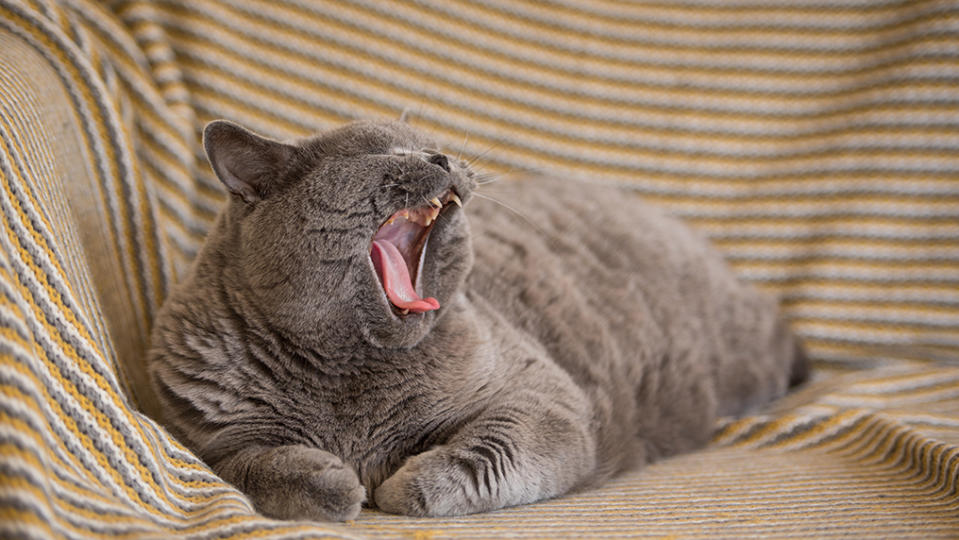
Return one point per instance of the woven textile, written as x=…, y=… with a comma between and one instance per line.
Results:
x=816, y=143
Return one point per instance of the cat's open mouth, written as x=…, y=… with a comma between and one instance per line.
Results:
x=397, y=253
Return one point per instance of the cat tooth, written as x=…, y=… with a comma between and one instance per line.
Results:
x=456, y=200
x=435, y=201
x=405, y=312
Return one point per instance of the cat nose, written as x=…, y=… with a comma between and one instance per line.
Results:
x=440, y=159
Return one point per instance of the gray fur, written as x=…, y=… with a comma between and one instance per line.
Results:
x=588, y=335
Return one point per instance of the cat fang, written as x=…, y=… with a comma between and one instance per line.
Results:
x=397, y=252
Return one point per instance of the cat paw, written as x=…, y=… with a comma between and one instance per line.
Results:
x=429, y=484
x=306, y=483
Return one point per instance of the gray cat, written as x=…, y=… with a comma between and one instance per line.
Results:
x=359, y=325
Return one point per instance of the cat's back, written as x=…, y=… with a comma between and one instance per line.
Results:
x=623, y=296
x=577, y=246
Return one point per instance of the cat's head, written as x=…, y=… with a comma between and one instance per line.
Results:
x=357, y=231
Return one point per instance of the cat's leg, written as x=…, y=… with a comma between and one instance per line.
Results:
x=526, y=449
x=295, y=482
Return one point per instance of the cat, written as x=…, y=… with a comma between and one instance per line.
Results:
x=361, y=325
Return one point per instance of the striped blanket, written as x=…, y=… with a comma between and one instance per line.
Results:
x=815, y=142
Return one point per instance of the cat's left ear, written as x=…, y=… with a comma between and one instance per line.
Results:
x=246, y=163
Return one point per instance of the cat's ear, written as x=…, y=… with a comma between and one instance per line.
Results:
x=245, y=162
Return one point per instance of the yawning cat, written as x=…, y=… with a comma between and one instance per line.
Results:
x=360, y=325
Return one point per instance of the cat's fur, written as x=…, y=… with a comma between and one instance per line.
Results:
x=588, y=335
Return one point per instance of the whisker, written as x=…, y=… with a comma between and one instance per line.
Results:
x=489, y=178
x=511, y=209
x=490, y=181
x=482, y=155
x=466, y=140
x=483, y=179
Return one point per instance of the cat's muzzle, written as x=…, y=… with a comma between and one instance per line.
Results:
x=398, y=249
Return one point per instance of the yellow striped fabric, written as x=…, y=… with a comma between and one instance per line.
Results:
x=76, y=458
x=815, y=142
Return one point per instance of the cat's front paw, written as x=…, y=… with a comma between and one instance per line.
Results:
x=297, y=482
x=430, y=484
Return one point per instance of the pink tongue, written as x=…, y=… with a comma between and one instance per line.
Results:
x=394, y=274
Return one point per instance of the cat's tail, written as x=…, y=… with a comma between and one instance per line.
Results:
x=759, y=360
x=799, y=371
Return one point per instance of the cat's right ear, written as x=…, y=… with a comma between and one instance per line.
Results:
x=245, y=162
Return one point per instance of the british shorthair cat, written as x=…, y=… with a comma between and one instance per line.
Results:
x=360, y=326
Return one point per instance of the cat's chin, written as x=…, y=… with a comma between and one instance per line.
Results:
x=401, y=333
x=383, y=326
